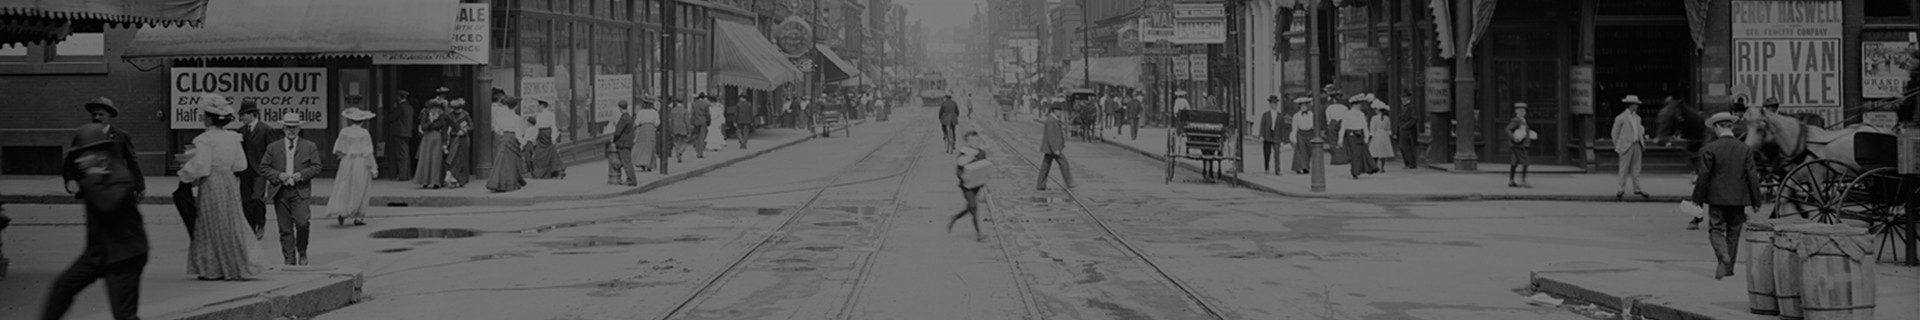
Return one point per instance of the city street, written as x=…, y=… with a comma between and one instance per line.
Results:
x=852, y=227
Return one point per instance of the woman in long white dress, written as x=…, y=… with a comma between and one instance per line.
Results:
x=354, y=147
x=715, y=139
x=223, y=245
x=1380, y=135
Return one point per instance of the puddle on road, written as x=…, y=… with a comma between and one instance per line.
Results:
x=394, y=250
x=587, y=244
x=768, y=211
x=837, y=223
x=417, y=233
x=577, y=224
x=822, y=248
x=790, y=260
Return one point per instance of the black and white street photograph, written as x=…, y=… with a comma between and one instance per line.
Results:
x=960, y=159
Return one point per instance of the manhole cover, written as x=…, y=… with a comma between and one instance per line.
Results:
x=836, y=224
x=416, y=233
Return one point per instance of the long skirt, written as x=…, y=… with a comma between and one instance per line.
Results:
x=223, y=245
x=507, y=165
x=1380, y=146
x=645, y=146
x=541, y=157
x=460, y=159
x=430, y=161
x=1302, y=151
x=1359, y=158
x=350, y=186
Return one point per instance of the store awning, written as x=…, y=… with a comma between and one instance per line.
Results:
x=841, y=69
x=305, y=28
x=1117, y=71
x=746, y=59
x=43, y=21
x=858, y=79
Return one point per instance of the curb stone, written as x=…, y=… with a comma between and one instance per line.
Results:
x=1399, y=197
x=340, y=288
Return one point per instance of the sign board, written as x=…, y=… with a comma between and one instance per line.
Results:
x=1790, y=50
x=536, y=88
x=1180, y=68
x=277, y=90
x=1196, y=23
x=1882, y=119
x=1199, y=11
x=471, y=40
x=1439, y=85
x=1884, y=68
x=1199, y=67
x=1156, y=26
x=1357, y=59
x=1580, y=96
x=608, y=91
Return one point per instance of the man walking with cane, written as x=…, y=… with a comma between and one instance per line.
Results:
x=1728, y=186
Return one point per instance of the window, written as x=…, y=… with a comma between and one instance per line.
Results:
x=1889, y=8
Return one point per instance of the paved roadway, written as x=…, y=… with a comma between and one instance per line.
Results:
x=852, y=227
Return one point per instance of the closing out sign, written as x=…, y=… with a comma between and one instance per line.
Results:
x=1790, y=51
x=276, y=90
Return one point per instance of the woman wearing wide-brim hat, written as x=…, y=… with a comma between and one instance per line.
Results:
x=223, y=243
x=357, y=168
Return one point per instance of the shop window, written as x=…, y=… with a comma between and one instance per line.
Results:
x=1889, y=8
x=535, y=4
x=584, y=7
x=620, y=10
x=534, y=56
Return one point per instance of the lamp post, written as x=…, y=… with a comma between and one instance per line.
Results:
x=1316, y=167
x=668, y=29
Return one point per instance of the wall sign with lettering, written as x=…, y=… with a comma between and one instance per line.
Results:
x=1789, y=50
x=276, y=90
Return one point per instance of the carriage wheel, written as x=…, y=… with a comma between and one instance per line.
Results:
x=1814, y=190
x=1885, y=200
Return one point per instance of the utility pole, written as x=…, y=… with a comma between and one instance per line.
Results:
x=668, y=28
x=1086, y=74
x=1465, y=154
x=1315, y=166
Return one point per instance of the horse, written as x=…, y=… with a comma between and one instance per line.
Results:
x=1784, y=137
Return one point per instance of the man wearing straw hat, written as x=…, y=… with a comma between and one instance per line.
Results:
x=1629, y=139
x=1729, y=187
x=289, y=165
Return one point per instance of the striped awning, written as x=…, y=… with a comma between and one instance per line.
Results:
x=45, y=21
x=258, y=29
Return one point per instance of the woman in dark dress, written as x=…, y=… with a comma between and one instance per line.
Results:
x=459, y=139
x=430, y=173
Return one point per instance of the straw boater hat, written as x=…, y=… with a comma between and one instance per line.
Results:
x=1519, y=105
x=291, y=119
x=1631, y=99
x=1717, y=118
x=356, y=114
x=1357, y=97
x=216, y=104
x=104, y=104
x=442, y=90
x=1302, y=100
x=1180, y=93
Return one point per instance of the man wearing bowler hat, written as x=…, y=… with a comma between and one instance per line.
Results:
x=102, y=111
x=1273, y=132
x=254, y=137
x=288, y=166
x=116, y=249
x=1729, y=187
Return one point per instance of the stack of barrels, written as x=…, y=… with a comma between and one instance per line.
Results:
x=1802, y=270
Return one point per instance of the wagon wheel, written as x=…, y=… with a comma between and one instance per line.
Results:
x=1886, y=200
x=1814, y=190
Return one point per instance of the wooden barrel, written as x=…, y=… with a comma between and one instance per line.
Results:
x=1758, y=243
x=1836, y=273
x=1786, y=270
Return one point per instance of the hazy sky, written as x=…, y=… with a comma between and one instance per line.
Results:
x=940, y=14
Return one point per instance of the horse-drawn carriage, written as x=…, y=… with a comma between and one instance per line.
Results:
x=1205, y=136
x=1830, y=175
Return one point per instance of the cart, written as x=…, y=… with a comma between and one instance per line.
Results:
x=1879, y=186
x=1205, y=136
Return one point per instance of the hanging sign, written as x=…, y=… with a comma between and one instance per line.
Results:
x=1882, y=119
x=1439, y=87
x=1200, y=23
x=276, y=90
x=1790, y=50
x=1580, y=96
x=1885, y=68
x=471, y=41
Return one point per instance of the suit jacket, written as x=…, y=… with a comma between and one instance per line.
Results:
x=123, y=142
x=306, y=162
x=115, y=230
x=623, y=131
x=1627, y=131
x=1054, y=136
x=400, y=122
x=1270, y=127
x=949, y=111
x=1727, y=176
x=253, y=141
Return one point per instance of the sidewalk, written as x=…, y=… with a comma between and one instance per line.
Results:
x=1675, y=291
x=167, y=292
x=1551, y=182
x=586, y=181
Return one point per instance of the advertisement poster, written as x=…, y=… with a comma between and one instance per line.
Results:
x=1580, y=96
x=1181, y=68
x=1789, y=50
x=1439, y=87
x=1198, y=67
x=608, y=91
x=470, y=41
x=536, y=88
x=277, y=90
x=1884, y=68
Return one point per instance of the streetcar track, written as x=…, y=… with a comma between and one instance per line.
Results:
x=713, y=281
x=1117, y=240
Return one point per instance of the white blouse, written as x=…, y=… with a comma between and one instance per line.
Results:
x=214, y=151
x=354, y=142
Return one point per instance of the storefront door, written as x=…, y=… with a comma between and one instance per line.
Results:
x=1527, y=64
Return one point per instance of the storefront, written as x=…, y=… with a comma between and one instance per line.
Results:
x=750, y=69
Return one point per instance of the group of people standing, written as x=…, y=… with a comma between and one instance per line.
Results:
x=1362, y=134
x=524, y=145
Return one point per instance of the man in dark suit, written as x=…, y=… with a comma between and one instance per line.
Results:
x=102, y=111
x=399, y=136
x=288, y=166
x=622, y=160
x=1272, y=135
x=949, y=118
x=1728, y=186
x=1054, y=145
x=116, y=237
x=254, y=137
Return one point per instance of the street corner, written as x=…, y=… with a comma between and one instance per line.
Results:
x=294, y=292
